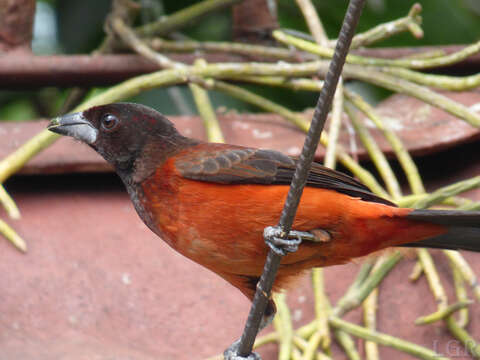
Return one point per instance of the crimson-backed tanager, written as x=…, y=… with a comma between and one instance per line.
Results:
x=211, y=202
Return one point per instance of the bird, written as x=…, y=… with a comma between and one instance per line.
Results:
x=212, y=201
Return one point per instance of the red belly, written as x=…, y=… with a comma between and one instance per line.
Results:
x=221, y=226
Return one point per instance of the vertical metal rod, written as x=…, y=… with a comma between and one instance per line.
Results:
x=272, y=263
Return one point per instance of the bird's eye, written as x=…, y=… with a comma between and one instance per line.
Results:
x=109, y=121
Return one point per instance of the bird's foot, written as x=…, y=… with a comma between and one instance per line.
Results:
x=277, y=241
x=232, y=353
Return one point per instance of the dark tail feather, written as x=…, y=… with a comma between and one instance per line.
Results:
x=463, y=229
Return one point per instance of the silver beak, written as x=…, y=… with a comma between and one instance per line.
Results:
x=74, y=125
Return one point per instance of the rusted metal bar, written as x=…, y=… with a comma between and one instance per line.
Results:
x=20, y=71
x=16, y=25
x=26, y=70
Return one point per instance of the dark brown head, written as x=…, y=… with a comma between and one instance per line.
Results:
x=122, y=133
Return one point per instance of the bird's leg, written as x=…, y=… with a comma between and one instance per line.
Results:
x=277, y=241
x=280, y=244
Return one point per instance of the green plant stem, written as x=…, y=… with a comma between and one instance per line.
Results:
x=459, y=202
x=12, y=236
x=131, y=39
x=283, y=325
x=370, y=305
x=348, y=299
x=360, y=172
x=322, y=356
x=335, y=126
x=384, y=339
x=403, y=156
x=461, y=292
x=428, y=54
x=347, y=343
x=285, y=82
x=296, y=119
x=470, y=206
x=368, y=61
x=296, y=354
x=322, y=307
x=465, y=270
x=14, y=162
x=276, y=53
x=313, y=21
x=312, y=346
x=443, y=313
x=266, y=339
x=411, y=23
x=433, y=279
x=300, y=342
x=453, y=201
x=183, y=17
x=205, y=109
x=307, y=330
x=370, y=319
x=443, y=82
x=374, y=76
x=362, y=275
x=441, y=299
x=450, y=190
x=461, y=334
x=377, y=156
x=345, y=303
x=357, y=293
x=383, y=31
x=417, y=271
x=8, y=203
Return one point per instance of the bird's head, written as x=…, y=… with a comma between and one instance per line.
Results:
x=120, y=132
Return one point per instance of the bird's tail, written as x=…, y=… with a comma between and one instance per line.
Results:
x=463, y=229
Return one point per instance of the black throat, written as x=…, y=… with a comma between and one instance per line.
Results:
x=151, y=157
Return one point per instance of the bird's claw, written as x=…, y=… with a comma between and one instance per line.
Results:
x=277, y=241
x=232, y=353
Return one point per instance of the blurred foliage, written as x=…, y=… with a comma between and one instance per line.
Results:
x=444, y=21
x=74, y=27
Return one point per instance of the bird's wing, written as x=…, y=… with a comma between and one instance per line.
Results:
x=226, y=164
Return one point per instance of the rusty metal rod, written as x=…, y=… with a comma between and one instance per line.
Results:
x=18, y=71
x=287, y=217
x=26, y=70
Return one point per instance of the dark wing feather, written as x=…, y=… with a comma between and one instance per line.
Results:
x=237, y=165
